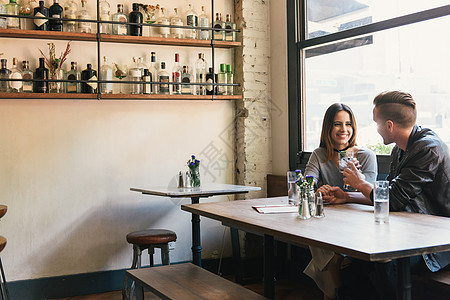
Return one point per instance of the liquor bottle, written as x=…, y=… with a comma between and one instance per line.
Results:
x=191, y=20
x=106, y=73
x=41, y=24
x=55, y=11
x=135, y=17
x=41, y=74
x=70, y=12
x=4, y=74
x=147, y=78
x=83, y=14
x=90, y=75
x=230, y=76
x=163, y=76
x=154, y=73
x=204, y=22
x=186, y=78
x=73, y=74
x=176, y=20
x=219, y=35
x=15, y=73
x=105, y=15
x=119, y=16
x=12, y=8
x=200, y=74
x=163, y=20
x=176, y=76
x=27, y=74
x=25, y=9
x=230, y=35
x=210, y=81
x=222, y=78
x=136, y=76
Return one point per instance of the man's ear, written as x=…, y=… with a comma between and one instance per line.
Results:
x=390, y=125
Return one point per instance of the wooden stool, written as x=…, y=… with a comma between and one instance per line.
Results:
x=148, y=239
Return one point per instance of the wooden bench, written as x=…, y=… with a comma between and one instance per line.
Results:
x=187, y=281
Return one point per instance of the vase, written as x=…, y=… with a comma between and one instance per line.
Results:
x=195, y=177
x=56, y=87
x=307, y=204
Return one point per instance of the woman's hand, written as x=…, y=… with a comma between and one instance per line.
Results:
x=335, y=195
x=324, y=189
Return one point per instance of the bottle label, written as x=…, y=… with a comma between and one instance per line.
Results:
x=93, y=82
x=229, y=34
x=204, y=34
x=177, y=32
x=209, y=87
x=164, y=89
x=70, y=15
x=218, y=34
x=40, y=22
x=192, y=20
x=16, y=85
x=122, y=29
x=164, y=30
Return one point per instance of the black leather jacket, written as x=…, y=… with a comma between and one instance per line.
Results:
x=420, y=181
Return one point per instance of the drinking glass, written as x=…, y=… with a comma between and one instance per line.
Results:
x=292, y=188
x=381, y=201
x=120, y=71
x=343, y=163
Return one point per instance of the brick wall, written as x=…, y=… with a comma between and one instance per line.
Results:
x=253, y=119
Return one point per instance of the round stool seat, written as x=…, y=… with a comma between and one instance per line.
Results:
x=3, y=209
x=151, y=237
x=2, y=243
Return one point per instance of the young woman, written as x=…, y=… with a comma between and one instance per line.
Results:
x=338, y=134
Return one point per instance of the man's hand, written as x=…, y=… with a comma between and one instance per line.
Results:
x=352, y=176
x=335, y=195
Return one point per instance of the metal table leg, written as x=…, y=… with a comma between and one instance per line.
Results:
x=196, y=243
x=404, y=279
x=269, y=289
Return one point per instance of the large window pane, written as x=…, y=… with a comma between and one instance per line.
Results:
x=325, y=16
x=412, y=58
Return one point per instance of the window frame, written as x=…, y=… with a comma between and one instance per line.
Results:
x=297, y=45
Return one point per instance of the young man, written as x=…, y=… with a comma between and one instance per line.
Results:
x=419, y=176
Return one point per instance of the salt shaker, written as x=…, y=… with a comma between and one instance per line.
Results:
x=180, y=180
x=319, y=206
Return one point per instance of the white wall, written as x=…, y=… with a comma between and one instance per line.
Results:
x=278, y=65
x=66, y=167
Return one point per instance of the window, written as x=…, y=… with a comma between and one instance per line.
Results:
x=352, y=51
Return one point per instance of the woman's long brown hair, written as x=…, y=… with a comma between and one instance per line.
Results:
x=327, y=127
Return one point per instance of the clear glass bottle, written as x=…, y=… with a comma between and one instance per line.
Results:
x=55, y=11
x=119, y=16
x=176, y=76
x=89, y=87
x=230, y=79
x=163, y=77
x=230, y=35
x=147, y=89
x=135, y=17
x=41, y=73
x=154, y=73
x=163, y=20
x=4, y=74
x=200, y=74
x=204, y=22
x=222, y=78
x=83, y=14
x=70, y=12
x=191, y=20
x=105, y=15
x=186, y=78
x=210, y=80
x=176, y=20
x=15, y=73
x=135, y=75
x=42, y=12
x=73, y=74
x=12, y=8
x=219, y=34
x=106, y=73
x=27, y=74
x=25, y=9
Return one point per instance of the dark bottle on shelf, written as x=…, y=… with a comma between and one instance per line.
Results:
x=41, y=11
x=210, y=79
x=90, y=75
x=41, y=74
x=4, y=74
x=56, y=11
x=135, y=17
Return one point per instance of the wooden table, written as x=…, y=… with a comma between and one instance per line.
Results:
x=205, y=191
x=348, y=229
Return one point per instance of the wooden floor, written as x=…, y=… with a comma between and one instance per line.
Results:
x=284, y=290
